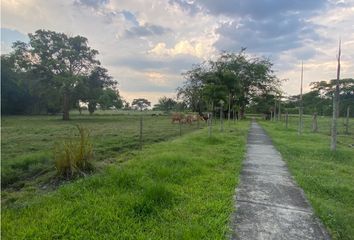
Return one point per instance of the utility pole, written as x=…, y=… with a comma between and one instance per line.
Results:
x=301, y=103
x=335, y=105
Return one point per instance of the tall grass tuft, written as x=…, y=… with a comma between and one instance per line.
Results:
x=74, y=156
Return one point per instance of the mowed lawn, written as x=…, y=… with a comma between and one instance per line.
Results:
x=27, y=142
x=177, y=189
x=326, y=177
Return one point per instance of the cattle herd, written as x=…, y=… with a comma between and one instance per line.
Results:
x=188, y=118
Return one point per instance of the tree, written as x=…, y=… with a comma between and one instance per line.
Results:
x=191, y=93
x=141, y=103
x=59, y=61
x=14, y=97
x=233, y=77
x=110, y=98
x=326, y=89
x=92, y=87
x=165, y=104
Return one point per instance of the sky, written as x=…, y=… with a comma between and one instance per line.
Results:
x=147, y=44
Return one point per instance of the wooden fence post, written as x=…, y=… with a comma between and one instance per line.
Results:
x=210, y=116
x=180, y=127
x=286, y=119
x=347, y=121
x=141, y=132
x=314, y=122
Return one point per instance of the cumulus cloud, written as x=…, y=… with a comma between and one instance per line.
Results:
x=184, y=47
x=91, y=3
x=145, y=30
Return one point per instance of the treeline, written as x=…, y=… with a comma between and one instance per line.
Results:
x=54, y=73
x=319, y=100
x=232, y=82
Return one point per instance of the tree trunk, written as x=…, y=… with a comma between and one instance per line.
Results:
x=66, y=106
x=279, y=112
x=242, y=112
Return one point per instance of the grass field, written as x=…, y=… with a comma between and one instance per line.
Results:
x=28, y=142
x=178, y=189
x=326, y=177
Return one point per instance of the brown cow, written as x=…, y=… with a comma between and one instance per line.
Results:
x=177, y=117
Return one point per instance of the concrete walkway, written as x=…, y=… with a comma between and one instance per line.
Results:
x=269, y=203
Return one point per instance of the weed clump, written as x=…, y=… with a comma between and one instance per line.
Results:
x=74, y=156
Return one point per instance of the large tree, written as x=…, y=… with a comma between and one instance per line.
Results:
x=165, y=104
x=234, y=78
x=58, y=61
x=141, y=103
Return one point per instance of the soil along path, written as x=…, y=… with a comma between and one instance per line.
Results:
x=269, y=203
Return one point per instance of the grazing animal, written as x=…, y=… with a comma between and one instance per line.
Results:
x=189, y=119
x=177, y=117
x=205, y=117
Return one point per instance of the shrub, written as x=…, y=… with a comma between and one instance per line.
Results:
x=74, y=156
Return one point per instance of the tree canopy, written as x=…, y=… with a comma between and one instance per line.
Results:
x=55, y=71
x=141, y=103
x=234, y=78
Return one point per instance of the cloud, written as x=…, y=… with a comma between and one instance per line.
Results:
x=266, y=36
x=184, y=47
x=256, y=9
x=156, y=78
x=91, y=3
x=145, y=30
x=174, y=65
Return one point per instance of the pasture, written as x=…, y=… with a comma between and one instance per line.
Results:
x=325, y=176
x=178, y=189
x=28, y=141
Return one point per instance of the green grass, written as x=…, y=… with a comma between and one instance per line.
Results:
x=28, y=141
x=178, y=189
x=326, y=177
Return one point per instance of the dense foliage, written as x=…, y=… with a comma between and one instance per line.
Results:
x=319, y=99
x=233, y=78
x=54, y=73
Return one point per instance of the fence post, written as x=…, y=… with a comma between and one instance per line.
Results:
x=286, y=119
x=180, y=127
x=314, y=122
x=210, y=116
x=141, y=132
x=347, y=121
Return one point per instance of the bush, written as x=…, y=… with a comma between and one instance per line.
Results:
x=74, y=156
